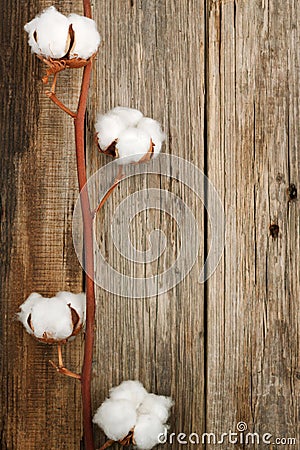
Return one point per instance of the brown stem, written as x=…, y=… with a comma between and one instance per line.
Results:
x=87, y=216
x=60, y=368
x=58, y=103
x=65, y=371
x=119, y=177
x=107, y=444
x=87, y=10
x=60, y=358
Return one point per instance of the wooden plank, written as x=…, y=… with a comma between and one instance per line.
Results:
x=40, y=409
x=153, y=59
x=253, y=139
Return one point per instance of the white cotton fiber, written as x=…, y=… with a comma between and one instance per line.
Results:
x=131, y=407
x=51, y=29
x=157, y=405
x=86, y=37
x=26, y=309
x=147, y=431
x=132, y=144
x=108, y=127
x=116, y=418
x=52, y=318
x=76, y=301
x=153, y=128
x=130, y=390
x=129, y=116
x=30, y=28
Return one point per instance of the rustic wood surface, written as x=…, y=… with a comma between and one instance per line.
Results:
x=253, y=159
x=223, y=78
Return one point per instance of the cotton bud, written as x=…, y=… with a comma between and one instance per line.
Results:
x=108, y=128
x=116, y=418
x=131, y=415
x=128, y=136
x=62, y=41
x=55, y=319
x=49, y=34
x=86, y=37
x=153, y=128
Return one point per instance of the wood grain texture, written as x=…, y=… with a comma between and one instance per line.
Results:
x=40, y=409
x=149, y=48
x=223, y=78
x=253, y=135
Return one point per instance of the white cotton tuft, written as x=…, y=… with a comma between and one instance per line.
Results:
x=26, y=309
x=52, y=318
x=153, y=128
x=147, y=431
x=108, y=126
x=76, y=301
x=30, y=28
x=116, y=418
x=50, y=30
x=86, y=37
x=157, y=405
x=130, y=390
x=129, y=116
x=132, y=145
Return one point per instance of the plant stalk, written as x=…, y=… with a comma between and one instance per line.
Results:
x=86, y=373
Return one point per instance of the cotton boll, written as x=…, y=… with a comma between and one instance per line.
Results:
x=147, y=431
x=86, y=37
x=132, y=145
x=51, y=318
x=108, y=127
x=51, y=32
x=26, y=309
x=153, y=128
x=129, y=116
x=157, y=405
x=30, y=28
x=116, y=418
x=76, y=301
x=130, y=390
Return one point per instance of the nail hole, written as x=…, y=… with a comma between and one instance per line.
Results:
x=274, y=230
x=292, y=192
x=297, y=375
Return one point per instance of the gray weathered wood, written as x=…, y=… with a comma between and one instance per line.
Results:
x=149, y=48
x=223, y=78
x=253, y=138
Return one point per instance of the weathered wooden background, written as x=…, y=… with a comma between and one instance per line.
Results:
x=223, y=78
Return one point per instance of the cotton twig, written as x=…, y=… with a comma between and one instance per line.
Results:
x=60, y=368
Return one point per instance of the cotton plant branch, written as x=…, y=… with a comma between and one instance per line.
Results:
x=57, y=58
x=130, y=138
x=87, y=215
